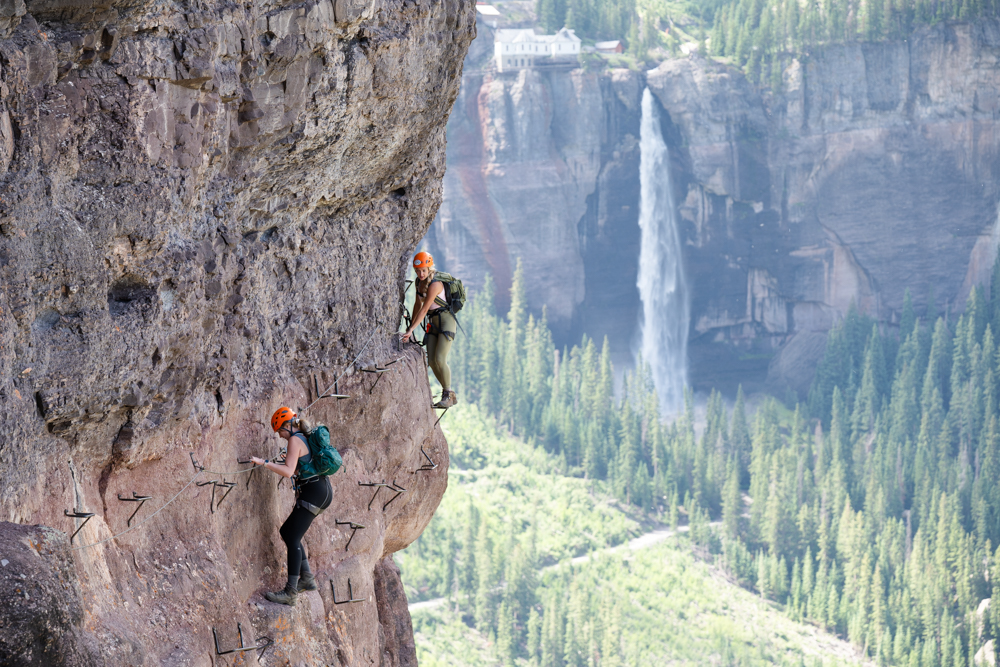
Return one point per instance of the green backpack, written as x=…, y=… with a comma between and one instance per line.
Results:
x=454, y=290
x=325, y=458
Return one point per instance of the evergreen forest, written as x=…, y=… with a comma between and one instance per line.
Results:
x=761, y=36
x=870, y=510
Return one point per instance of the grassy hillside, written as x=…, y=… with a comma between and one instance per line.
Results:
x=499, y=550
x=511, y=488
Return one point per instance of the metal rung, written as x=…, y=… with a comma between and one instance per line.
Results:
x=377, y=379
x=399, y=491
x=336, y=390
x=378, y=487
x=267, y=641
x=440, y=416
x=197, y=468
x=136, y=498
x=252, y=471
x=211, y=503
x=355, y=527
x=281, y=462
x=86, y=516
x=228, y=486
x=430, y=465
x=350, y=594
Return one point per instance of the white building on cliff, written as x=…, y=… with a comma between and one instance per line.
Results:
x=517, y=49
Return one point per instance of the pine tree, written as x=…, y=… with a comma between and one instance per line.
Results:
x=485, y=580
x=739, y=438
x=534, y=643
x=732, y=503
x=505, y=635
x=467, y=583
x=717, y=41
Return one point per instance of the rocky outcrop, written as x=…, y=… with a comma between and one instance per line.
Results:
x=41, y=618
x=873, y=170
x=206, y=212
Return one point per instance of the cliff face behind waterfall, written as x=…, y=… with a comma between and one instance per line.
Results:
x=873, y=170
x=206, y=212
x=544, y=166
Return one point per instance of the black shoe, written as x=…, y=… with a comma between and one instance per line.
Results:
x=284, y=596
x=307, y=582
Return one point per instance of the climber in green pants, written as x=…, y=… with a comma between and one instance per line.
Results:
x=432, y=300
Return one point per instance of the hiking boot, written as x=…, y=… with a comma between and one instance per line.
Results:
x=307, y=582
x=285, y=596
x=448, y=399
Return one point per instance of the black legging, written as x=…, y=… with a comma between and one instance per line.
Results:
x=318, y=493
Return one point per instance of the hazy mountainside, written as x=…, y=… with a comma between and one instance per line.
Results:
x=503, y=566
x=873, y=168
x=206, y=211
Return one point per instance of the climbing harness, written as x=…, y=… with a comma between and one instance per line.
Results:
x=309, y=507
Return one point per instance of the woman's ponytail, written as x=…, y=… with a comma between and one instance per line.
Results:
x=303, y=425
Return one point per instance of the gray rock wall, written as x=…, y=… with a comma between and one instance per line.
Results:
x=202, y=207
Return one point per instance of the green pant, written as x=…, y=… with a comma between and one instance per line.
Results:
x=440, y=335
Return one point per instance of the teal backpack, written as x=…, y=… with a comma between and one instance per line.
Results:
x=326, y=459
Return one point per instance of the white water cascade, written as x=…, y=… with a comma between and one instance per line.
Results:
x=666, y=311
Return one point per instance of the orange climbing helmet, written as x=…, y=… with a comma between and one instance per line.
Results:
x=423, y=260
x=280, y=417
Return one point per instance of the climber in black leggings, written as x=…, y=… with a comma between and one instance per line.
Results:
x=312, y=496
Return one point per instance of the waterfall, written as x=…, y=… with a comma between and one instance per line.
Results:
x=663, y=325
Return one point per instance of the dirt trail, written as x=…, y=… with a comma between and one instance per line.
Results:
x=643, y=541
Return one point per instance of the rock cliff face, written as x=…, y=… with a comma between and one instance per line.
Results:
x=206, y=211
x=536, y=160
x=874, y=170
